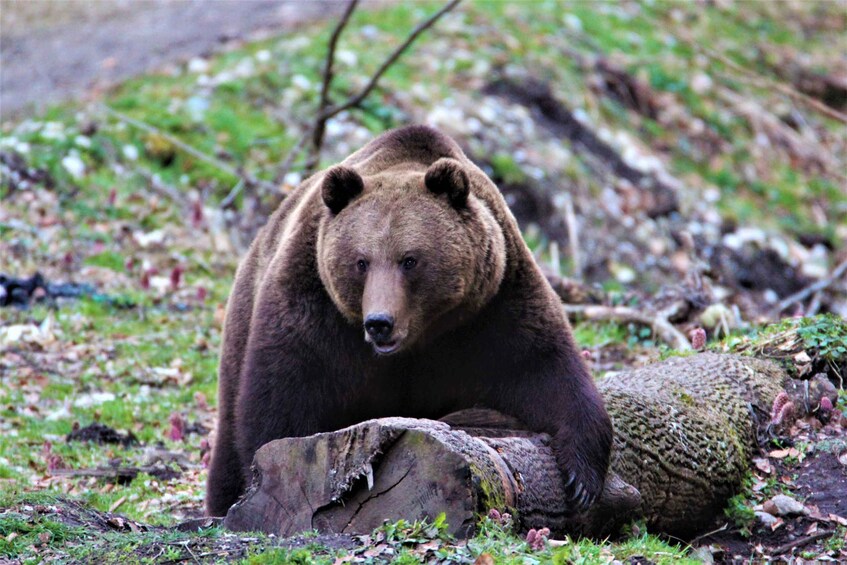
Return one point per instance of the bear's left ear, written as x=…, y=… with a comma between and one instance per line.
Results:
x=340, y=186
x=448, y=175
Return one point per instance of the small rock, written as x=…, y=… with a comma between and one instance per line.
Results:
x=703, y=554
x=198, y=65
x=784, y=505
x=766, y=518
x=74, y=165
x=701, y=83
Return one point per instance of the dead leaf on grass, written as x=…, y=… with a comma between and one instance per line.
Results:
x=763, y=465
x=783, y=453
x=484, y=559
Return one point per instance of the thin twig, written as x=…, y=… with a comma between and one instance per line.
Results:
x=193, y=151
x=804, y=293
x=230, y=198
x=320, y=125
x=663, y=328
x=355, y=100
x=326, y=113
x=573, y=237
x=707, y=534
x=293, y=153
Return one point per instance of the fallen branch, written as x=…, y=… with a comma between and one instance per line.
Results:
x=800, y=542
x=761, y=120
x=161, y=188
x=193, y=151
x=119, y=474
x=754, y=78
x=804, y=293
x=660, y=324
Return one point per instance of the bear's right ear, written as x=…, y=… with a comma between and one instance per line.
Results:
x=448, y=175
x=340, y=185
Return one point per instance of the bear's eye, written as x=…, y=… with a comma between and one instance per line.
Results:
x=362, y=265
x=409, y=263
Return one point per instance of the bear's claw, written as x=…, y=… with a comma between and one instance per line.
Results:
x=578, y=494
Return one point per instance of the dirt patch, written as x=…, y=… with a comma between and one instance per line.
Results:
x=823, y=483
x=53, y=51
x=100, y=434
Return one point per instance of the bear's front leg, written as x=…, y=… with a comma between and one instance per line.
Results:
x=281, y=395
x=560, y=399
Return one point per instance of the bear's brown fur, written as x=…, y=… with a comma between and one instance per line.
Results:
x=397, y=284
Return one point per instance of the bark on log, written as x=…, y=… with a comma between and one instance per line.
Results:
x=685, y=430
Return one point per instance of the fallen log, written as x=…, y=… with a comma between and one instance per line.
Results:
x=685, y=430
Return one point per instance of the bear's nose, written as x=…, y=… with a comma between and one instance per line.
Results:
x=379, y=326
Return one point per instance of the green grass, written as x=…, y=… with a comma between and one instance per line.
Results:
x=247, y=113
x=29, y=528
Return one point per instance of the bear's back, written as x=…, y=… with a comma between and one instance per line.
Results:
x=411, y=144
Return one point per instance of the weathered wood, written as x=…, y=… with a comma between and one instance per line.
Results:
x=352, y=480
x=685, y=430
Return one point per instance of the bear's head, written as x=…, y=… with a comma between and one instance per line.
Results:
x=409, y=253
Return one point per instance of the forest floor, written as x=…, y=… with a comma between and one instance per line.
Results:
x=688, y=157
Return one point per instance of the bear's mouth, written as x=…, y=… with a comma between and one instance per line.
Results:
x=386, y=347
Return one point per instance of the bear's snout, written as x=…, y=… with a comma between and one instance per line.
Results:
x=379, y=326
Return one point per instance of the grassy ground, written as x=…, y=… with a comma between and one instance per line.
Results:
x=102, y=201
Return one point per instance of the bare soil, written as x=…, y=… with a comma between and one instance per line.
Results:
x=58, y=50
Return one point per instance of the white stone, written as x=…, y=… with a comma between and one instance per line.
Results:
x=347, y=57
x=93, y=399
x=130, y=152
x=701, y=83
x=573, y=22
x=766, y=519
x=786, y=505
x=198, y=65
x=74, y=165
x=301, y=82
x=83, y=141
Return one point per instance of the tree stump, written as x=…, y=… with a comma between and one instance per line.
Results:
x=685, y=430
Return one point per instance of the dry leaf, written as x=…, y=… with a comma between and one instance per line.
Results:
x=484, y=559
x=763, y=465
x=783, y=453
x=836, y=518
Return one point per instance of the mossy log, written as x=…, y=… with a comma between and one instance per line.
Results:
x=685, y=430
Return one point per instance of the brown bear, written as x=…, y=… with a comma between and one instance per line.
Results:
x=397, y=284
